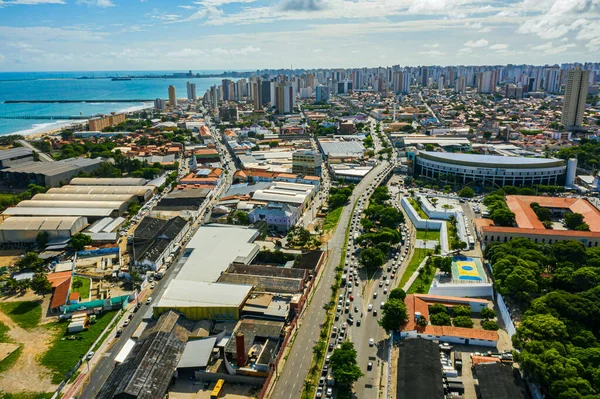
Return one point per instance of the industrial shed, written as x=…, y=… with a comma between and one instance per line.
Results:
x=499, y=381
x=107, y=181
x=128, y=198
x=143, y=193
x=24, y=230
x=118, y=207
x=15, y=156
x=155, y=239
x=50, y=174
x=179, y=200
x=148, y=370
x=91, y=213
x=419, y=370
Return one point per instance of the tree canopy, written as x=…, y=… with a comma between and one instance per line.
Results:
x=344, y=365
x=393, y=315
x=79, y=241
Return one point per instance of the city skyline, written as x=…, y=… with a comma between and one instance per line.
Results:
x=40, y=35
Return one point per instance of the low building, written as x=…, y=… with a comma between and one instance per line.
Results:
x=15, y=156
x=154, y=240
x=104, y=121
x=117, y=208
x=142, y=193
x=306, y=162
x=342, y=151
x=201, y=300
x=529, y=226
x=23, y=231
x=417, y=306
x=419, y=372
x=266, y=278
x=107, y=181
x=186, y=199
x=499, y=381
x=61, y=287
x=350, y=173
x=50, y=174
x=279, y=217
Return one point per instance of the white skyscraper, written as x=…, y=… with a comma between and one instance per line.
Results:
x=575, y=96
x=191, y=91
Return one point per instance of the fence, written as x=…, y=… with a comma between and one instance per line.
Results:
x=510, y=327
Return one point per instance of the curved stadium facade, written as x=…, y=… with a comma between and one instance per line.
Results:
x=490, y=169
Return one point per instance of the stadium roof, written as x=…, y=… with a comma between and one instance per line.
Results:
x=45, y=211
x=183, y=293
x=419, y=370
x=213, y=247
x=15, y=152
x=491, y=161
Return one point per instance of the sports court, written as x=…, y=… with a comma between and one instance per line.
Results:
x=468, y=269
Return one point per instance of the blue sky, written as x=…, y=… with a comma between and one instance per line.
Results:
x=75, y=35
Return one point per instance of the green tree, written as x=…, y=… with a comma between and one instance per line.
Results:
x=40, y=284
x=133, y=208
x=394, y=314
x=397, y=293
x=490, y=325
x=422, y=322
x=344, y=365
x=463, y=321
x=502, y=217
x=437, y=308
x=79, y=241
x=461, y=310
x=539, y=327
x=573, y=220
x=444, y=264
x=77, y=284
x=42, y=239
x=241, y=217
x=30, y=261
x=372, y=258
x=466, y=192
x=488, y=313
x=440, y=319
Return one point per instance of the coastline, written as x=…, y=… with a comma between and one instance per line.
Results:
x=39, y=131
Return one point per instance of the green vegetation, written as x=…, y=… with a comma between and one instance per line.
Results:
x=372, y=258
x=384, y=215
x=440, y=319
x=4, y=333
x=79, y=241
x=587, y=154
x=491, y=325
x=418, y=256
x=82, y=286
x=8, y=362
x=344, y=365
x=543, y=214
x=430, y=235
x=463, y=321
x=499, y=212
x=338, y=196
x=461, y=310
x=393, y=315
x=26, y=314
x=466, y=192
x=64, y=355
x=574, y=221
x=455, y=241
x=298, y=236
x=7, y=200
x=427, y=273
x=26, y=395
x=418, y=208
x=332, y=218
x=556, y=288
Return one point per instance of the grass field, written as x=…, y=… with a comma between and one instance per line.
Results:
x=64, y=355
x=332, y=219
x=428, y=234
x=422, y=283
x=4, y=333
x=26, y=314
x=26, y=395
x=84, y=290
x=414, y=263
x=417, y=207
x=6, y=197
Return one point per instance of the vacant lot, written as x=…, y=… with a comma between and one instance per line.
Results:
x=64, y=354
x=82, y=286
x=332, y=219
x=26, y=314
x=430, y=235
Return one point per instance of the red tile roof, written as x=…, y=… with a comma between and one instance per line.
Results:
x=61, y=283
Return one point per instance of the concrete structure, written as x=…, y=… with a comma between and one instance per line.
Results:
x=90, y=213
x=306, y=162
x=50, y=174
x=172, y=96
x=118, y=207
x=576, y=91
x=349, y=172
x=15, y=156
x=154, y=240
x=191, y=91
x=490, y=169
x=338, y=151
x=529, y=226
x=417, y=306
x=297, y=195
x=24, y=230
x=128, y=198
x=426, y=224
x=571, y=172
x=323, y=93
x=279, y=217
x=198, y=300
x=142, y=193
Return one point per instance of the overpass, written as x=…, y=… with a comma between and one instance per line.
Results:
x=43, y=156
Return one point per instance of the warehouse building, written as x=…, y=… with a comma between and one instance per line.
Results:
x=118, y=207
x=127, y=198
x=50, y=174
x=22, y=231
x=419, y=370
x=108, y=181
x=142, y=193
x=155, y=239
x=92, y=214
x=181, y=200
x=499, y=381
x=201, y=300
x=15, y=156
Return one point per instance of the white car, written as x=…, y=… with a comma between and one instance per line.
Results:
x=149, y=301
x=371, y=342
x=370, y=308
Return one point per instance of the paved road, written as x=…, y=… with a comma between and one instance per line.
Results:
x=43, y=156
x=291, y=379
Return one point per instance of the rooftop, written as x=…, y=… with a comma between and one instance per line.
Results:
x=181, y=293
x=500, y=381
x=419, y=370
x=54, y=168
x=15, y=152
x=491, y=160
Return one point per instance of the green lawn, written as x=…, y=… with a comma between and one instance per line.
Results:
x=26, y=395
x=63, y=355
x=84, y=290
x=428, y=235
x=332, y=219
x=414, y=263
x=417, y=207
x=26, y=314
x=422, y=283
x=4, y=333
x=10, y=359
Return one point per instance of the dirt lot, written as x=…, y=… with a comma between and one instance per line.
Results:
x=26, y=374
x=9, y=257
x=185, y=389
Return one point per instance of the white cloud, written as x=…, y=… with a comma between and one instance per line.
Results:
x=303, y=5
x=434, y=45
x=432, y=53
x=499, y=46
x=97, y=3
x=561, y=17
x=32, y=2
x=550, y=48
x=477, y=43
x=239, y=51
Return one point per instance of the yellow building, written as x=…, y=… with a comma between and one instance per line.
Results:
x=201, y=300
x=102, y=122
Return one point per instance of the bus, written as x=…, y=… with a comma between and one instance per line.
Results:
x=217, y=390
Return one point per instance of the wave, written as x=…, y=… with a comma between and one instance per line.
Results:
x=37, y=128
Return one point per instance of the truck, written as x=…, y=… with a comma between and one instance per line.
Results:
x=458, y=361
x=344, y=279
x=160, y=273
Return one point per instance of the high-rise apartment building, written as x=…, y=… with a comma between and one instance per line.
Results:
x=284, y=98
x=576, y=90
x=172, y=96
x=460, y=85
x=323, y=93
x=397, y=82
x=225, y=83
x=257, y=94
x=191, y=91
x=487, y=82
x=160, y=104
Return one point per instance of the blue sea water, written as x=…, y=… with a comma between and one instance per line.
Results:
x=68, y=86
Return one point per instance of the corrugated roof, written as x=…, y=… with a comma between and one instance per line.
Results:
x=15, y=152
x=53, y=168
x=39, y=223
x=183, y=293
x=197, y=353
x=103, y=181
x=41, y=211
x=71, y=204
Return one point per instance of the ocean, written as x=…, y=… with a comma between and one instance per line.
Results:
x=69, y=86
